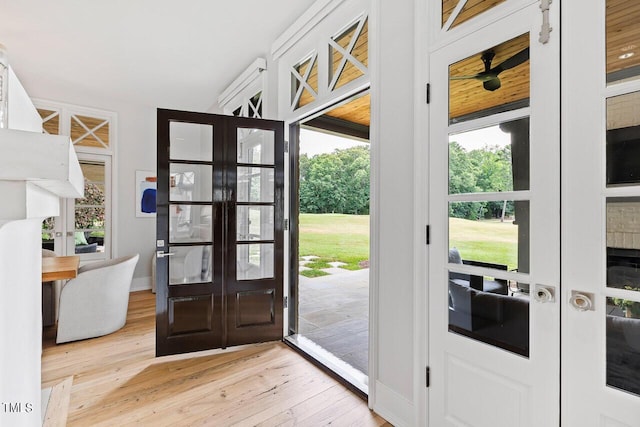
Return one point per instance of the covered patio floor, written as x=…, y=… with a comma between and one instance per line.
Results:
x=334, y=314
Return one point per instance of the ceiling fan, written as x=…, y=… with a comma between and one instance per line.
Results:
x=489, y=77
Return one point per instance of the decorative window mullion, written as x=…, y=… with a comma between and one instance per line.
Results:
x=89, y=131
x=336, y=60
x=303, y=81
x=347, y=61
x=51, y=120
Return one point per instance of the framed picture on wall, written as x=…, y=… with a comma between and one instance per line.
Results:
x=146, y=194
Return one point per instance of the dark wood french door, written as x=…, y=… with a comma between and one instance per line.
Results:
x=219, y=247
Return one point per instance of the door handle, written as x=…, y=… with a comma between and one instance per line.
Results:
x=162, y=254
x=544, y=294
x=581, y=301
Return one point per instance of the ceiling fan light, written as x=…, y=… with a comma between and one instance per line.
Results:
x=492, y=84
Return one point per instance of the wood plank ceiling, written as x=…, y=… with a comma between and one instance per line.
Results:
x=469, y=96
x=623, y=35
x=358, y=110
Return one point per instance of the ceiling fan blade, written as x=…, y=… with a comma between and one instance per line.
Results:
x=514, y=61
x=477, y=76
x=492, y=84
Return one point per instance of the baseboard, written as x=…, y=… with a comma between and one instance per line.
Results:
x=392, y=406
x=141, y=284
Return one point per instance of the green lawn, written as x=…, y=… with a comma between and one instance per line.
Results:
x=489, y=241
x=345, y=238
x=334, y=237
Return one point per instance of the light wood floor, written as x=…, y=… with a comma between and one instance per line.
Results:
x=117, y=381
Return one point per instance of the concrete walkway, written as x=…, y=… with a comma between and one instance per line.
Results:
x=334, y=313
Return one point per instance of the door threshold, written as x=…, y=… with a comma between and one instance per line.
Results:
x=352, y=377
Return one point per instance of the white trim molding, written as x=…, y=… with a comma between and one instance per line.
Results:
x=312, y=17
x=141, y=284
x=392, y=406
x=245, y=79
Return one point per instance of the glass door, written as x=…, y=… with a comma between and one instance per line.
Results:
x=89, y=218
x=601, y=213
x=494, y=248
x=219, y=231
x=83, y=227
x=255, y=209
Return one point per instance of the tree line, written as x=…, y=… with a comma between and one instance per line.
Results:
x=481, y=170
x=338, y=182
x=335, y=182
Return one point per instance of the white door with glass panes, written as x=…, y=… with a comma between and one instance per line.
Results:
x=81, y=228
x=601, y=214
x=494, y=254
x=84, y=225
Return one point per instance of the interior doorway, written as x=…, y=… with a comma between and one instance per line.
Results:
x=329, y=275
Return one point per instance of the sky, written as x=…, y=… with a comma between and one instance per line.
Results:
x=312, y=143
x=475, y=139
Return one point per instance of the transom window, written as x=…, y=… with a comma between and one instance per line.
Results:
x=304, y=81
x=349, y=54
x=456, y=12
x=343, y=58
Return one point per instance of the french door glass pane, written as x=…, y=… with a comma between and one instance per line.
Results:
x=492, y=81
x=189, y=223
x=256, y=146
x=623, y=344
x=189, y=264
x=470, y=10
x=623, y=139
x=189, y=182
x=254, y=223
x=623, y=243
x=491, y=317
x=191, y=141
x=90, y=211
x=623, y=40
x=254, y=261
x=255, y=184
x=490, y=159
x=48, y=233
x=490, y=234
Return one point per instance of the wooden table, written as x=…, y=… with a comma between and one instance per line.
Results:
x=55, y=268
x=60, y=268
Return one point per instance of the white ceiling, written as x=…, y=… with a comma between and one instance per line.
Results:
x=157, y=53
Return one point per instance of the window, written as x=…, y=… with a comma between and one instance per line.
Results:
x=455, y=12
x=304, y=82
x=349, y=54
x=84, y=225
x=345, y=57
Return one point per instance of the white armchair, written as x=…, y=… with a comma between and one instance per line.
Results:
x=95, y=303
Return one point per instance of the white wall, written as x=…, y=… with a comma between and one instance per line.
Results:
x=20, y=322
x=391, y=52
x=136, y=151
x=21, y=288
x=392, y=94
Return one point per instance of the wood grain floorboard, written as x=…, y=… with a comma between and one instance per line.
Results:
x=58, y=407
x=117, y=380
